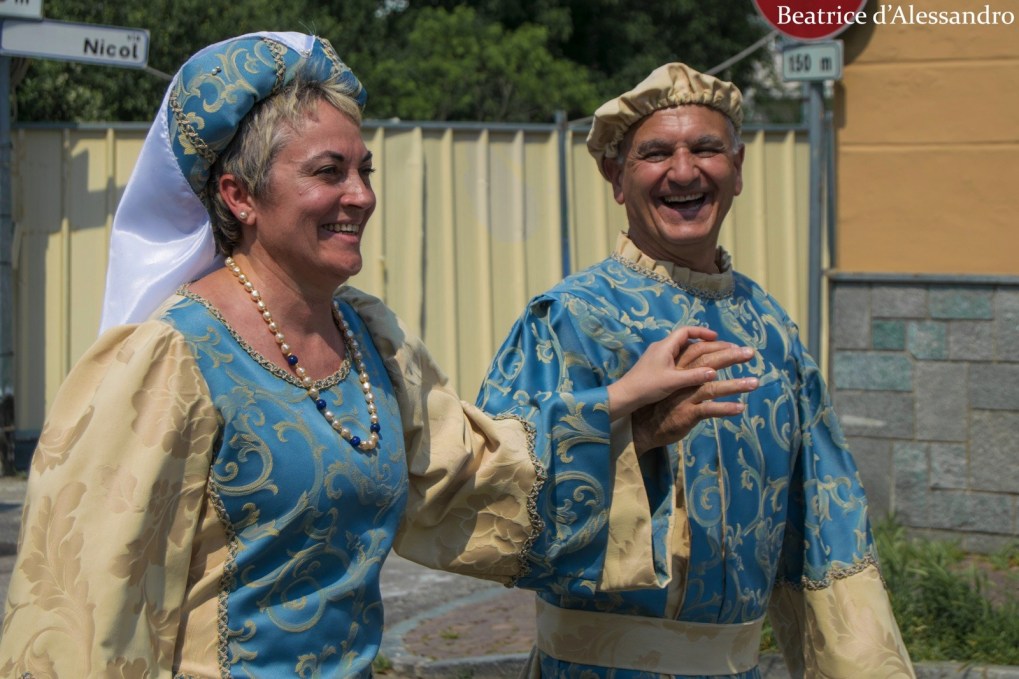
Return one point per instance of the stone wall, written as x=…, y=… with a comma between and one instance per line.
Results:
x=925, y=378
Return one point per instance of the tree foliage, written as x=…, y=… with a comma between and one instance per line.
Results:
x=620, y=42
x=495, y=60
x=455, y=65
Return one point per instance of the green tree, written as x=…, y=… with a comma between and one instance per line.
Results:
x=621, y=42
x=499, y=60
x=455, y=65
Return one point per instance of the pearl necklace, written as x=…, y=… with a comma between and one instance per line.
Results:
x=353, y=349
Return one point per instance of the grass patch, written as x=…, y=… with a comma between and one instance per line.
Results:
x=941, y=600
x=381, y=664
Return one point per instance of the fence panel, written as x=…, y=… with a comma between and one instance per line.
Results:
x=467, y=229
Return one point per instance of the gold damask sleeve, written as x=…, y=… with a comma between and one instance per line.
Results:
x=843, y=631
x=473, y=478
x=114, y=492
x=629, y=560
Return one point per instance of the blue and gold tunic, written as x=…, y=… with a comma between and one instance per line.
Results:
x=761, y=510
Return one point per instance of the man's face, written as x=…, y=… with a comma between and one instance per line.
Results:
x=678, y=176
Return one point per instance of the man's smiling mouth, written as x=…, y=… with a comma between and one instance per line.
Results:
x=689, y=200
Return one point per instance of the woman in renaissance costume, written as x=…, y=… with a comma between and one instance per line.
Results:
x=223, y=473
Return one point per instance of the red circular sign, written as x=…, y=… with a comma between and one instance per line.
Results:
x=811, y=19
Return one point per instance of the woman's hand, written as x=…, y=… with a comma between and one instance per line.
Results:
x=673, y=385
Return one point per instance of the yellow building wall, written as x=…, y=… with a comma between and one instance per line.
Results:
x=927, y=121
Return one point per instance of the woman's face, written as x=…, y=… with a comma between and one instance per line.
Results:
x=318, y=201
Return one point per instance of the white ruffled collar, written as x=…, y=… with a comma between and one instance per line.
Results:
x=713, y=285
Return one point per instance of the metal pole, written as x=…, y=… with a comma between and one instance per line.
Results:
x=830, y=186
x=815, y=135
x=6, y=275
x=563, y=129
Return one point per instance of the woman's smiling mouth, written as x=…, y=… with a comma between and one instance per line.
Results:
x=342, y=228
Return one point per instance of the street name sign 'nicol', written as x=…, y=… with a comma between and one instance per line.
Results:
x=65, y=41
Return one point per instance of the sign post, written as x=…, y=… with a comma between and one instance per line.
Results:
x=6, y=277
x=813, y=58
x=25, y=9
x=63, y=41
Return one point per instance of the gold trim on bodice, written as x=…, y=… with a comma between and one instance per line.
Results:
x=324, y=383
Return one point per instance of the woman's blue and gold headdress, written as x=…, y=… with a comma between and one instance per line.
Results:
x=219, y=85
x=161, y=236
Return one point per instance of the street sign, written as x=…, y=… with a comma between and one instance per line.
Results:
x=813, y=61
x=64, y=41
x=811, y=19
x=22, y=9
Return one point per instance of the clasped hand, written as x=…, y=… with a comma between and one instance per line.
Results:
x=674, y=384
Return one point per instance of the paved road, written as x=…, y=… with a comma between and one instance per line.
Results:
x=12, y=493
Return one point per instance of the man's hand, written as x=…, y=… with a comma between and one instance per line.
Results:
x=673, y=417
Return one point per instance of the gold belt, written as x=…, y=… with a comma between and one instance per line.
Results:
x=644, y=644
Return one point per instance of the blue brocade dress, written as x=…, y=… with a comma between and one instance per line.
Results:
x=190, y=512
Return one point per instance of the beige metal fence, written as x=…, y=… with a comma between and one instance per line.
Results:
x=468, y=228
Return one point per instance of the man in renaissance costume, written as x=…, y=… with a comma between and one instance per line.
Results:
x=760, y=512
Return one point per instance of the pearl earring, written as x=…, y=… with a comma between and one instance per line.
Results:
x=242, y=215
